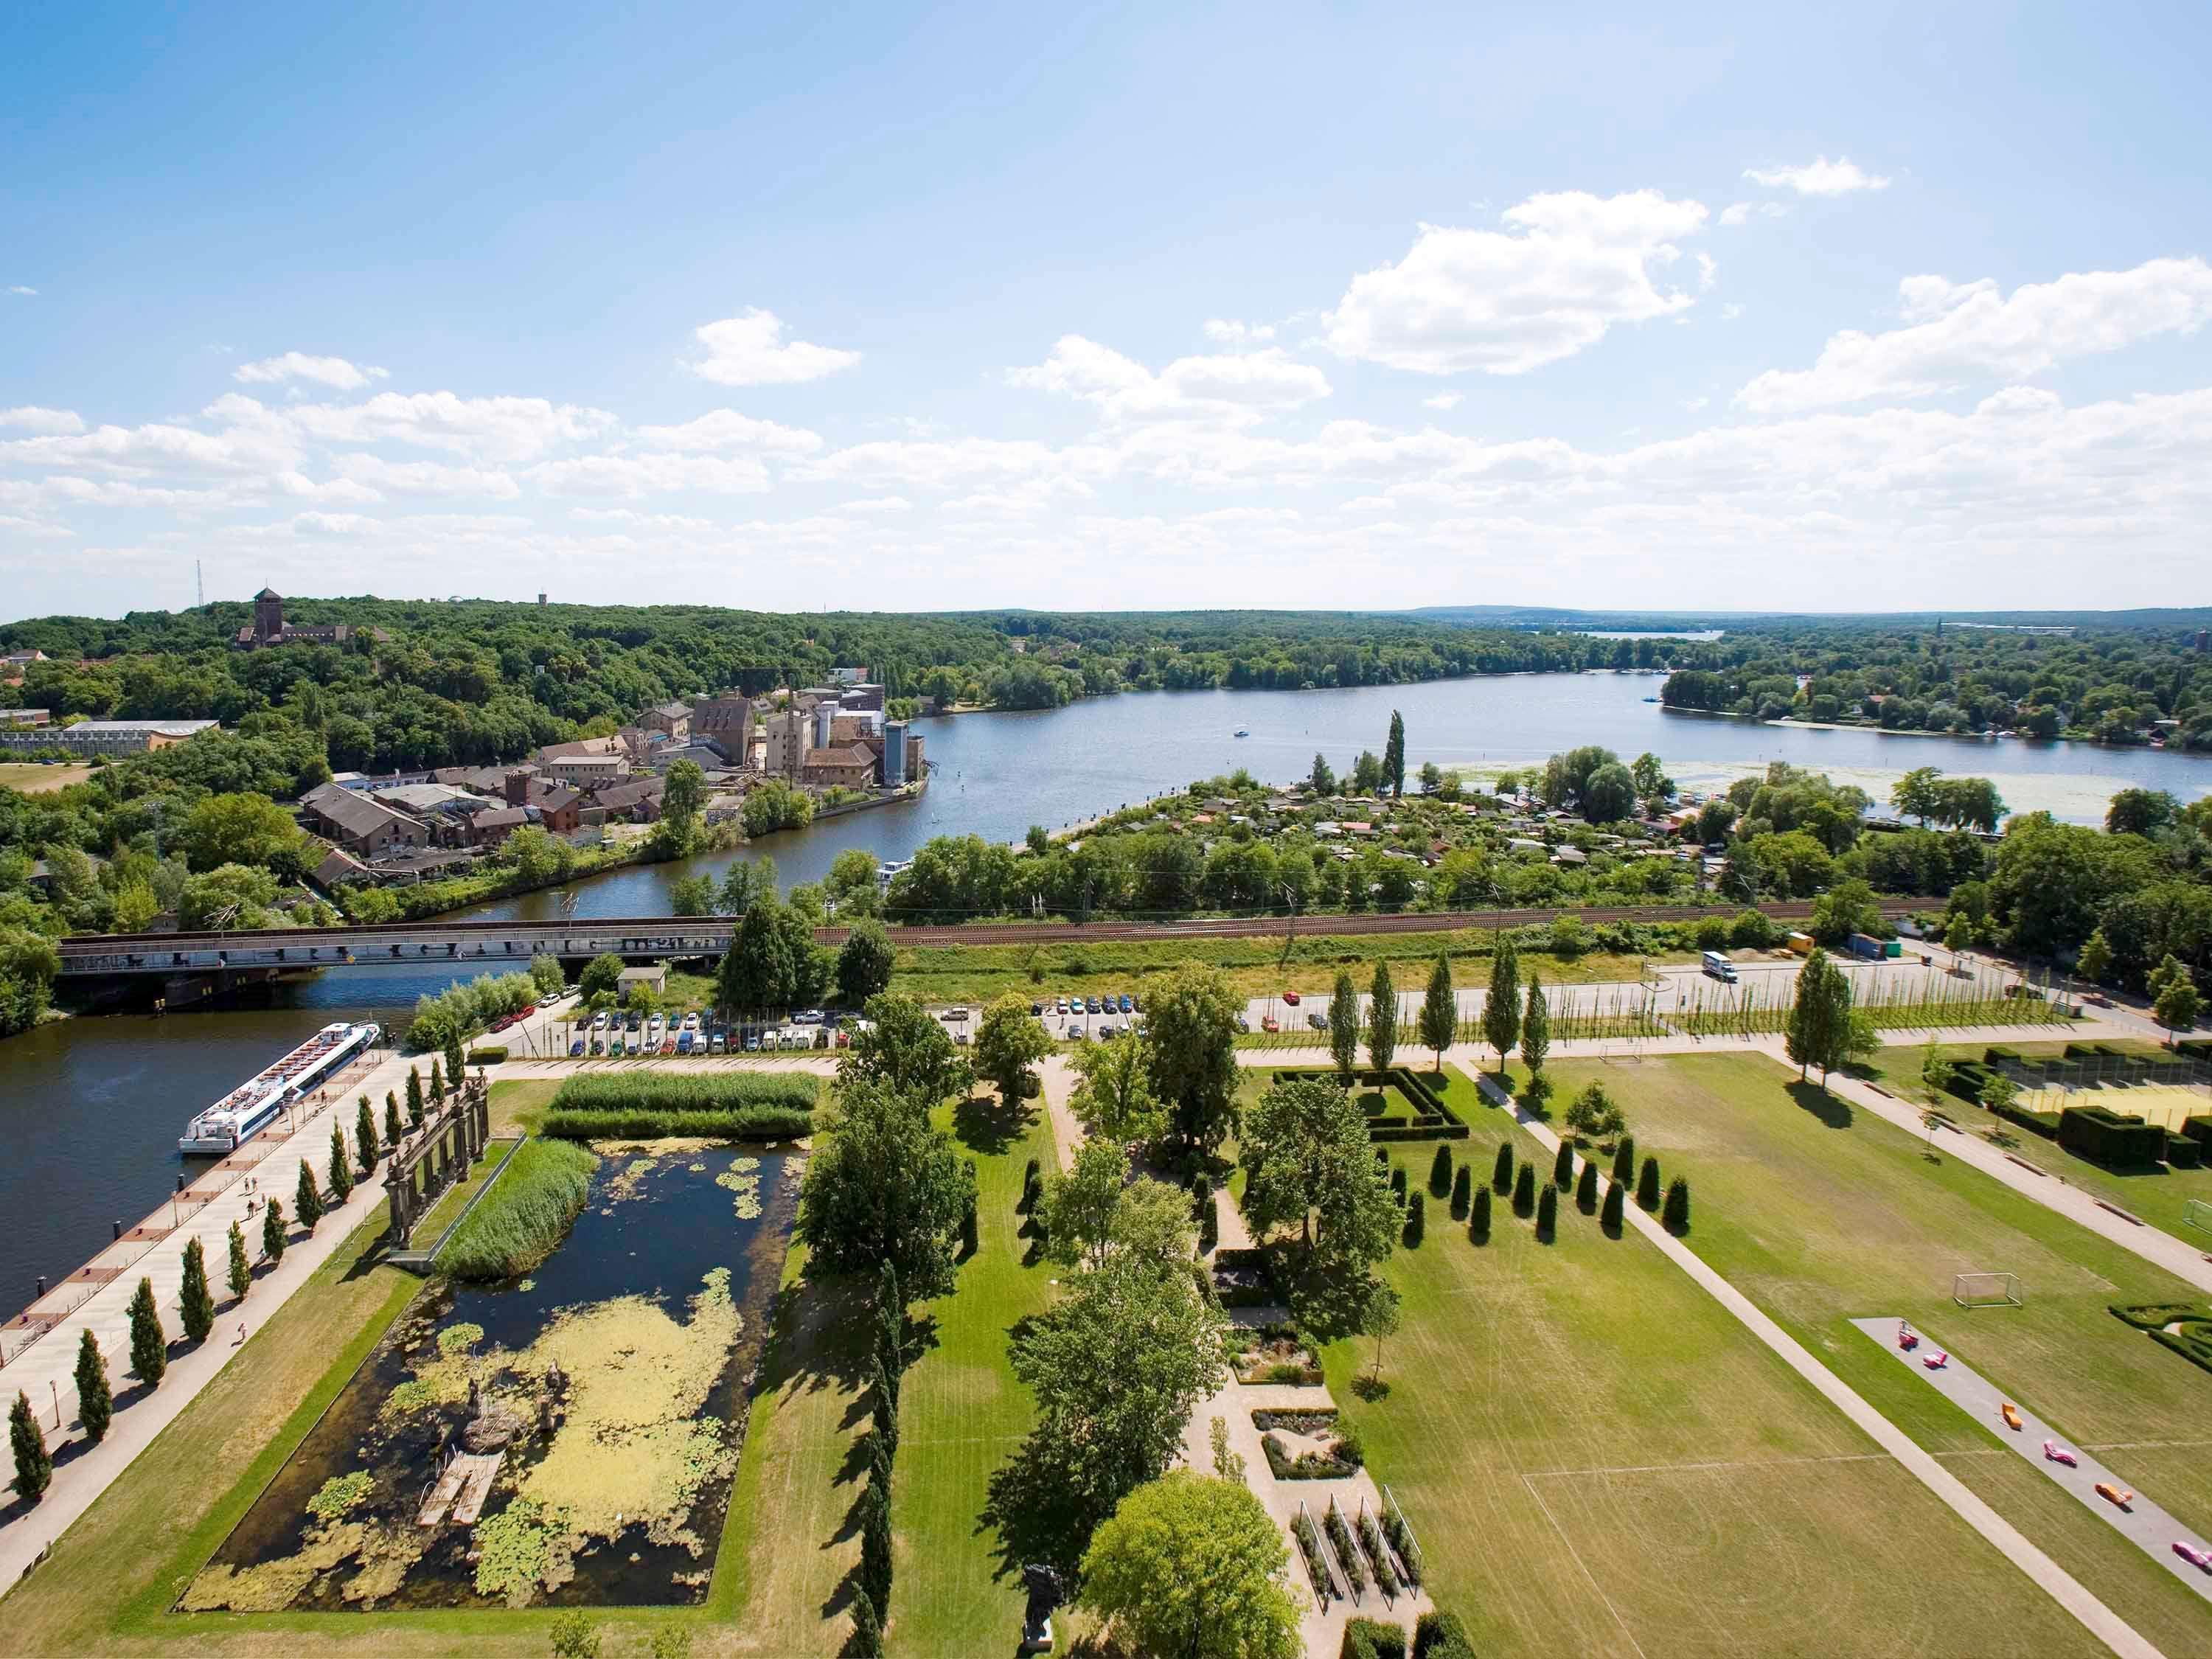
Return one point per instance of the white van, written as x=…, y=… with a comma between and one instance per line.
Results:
x=1719, y=966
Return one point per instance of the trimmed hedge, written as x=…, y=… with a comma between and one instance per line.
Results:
x=739, y=1123
x=1441, y=1635
x=2104, y=1137
x=687, y=1091
x=489, y=1054
x=2183, y=1153
x=2042, y=1123
x=1432, y=1119
x=1371, y=1639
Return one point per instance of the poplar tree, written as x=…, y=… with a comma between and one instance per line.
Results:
x=341, y=1172
x=1563, y=1165
x=1463, y=1192
x=1394, y=754
x=241, y=1271
x=1623, y=1161
x=413, y=1098
x=1343, y=1027
x=1501, y=1173
x=1501, y=1010
x=1440, y=1171
x=437, y=1084
x=1524, y=1190
x=34, y=1464
x=876, y=1546
x=272, y=1229
x=391, y=1131
x=1609, y=1215
x=867, y=1639
x=1547, y=1214
x=1477, y=1219
x=307, y=1198
x=364, y=1136
x=1439, y=1012
x=1676, y=1217
x=1536, y=1029
x=456, y=1068
x=1586, y=1188
x=195, y=1303
x=150, y=1349
x=95, y=1399
x=1381, y=1019
x=1647, y=1184
x=1820, y=1017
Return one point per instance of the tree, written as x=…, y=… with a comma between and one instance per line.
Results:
x=1193, y=1567
x=1417, y=1221
x=341, y=1180
x=883, y=1186
x=1501, y=1172
x=34, y=1464
x=1439, y=1012
x=456, y=1064
x=684, y=794
x=1586, y=1188
x=1594, y=1115
x=864, y=963
x=906, y=1049
x=1848, y=908
x=1536, y=1029
x=574, y=1637
x=1819, y=1026
x=95, y=1400
x=1321, y=779
x=1116, y=1364
x=1610, y=794
x=1440, y=1171
x=1463, y=1192
x=876, y=1546
x=195, y=1303
x=2175, y=1003
x=272, y=1232
x=1308, y=1163
x=1623, y=1161
x=546, y=972
x=1009, y=1042
x=149, y=1348
x=1609, y=1214
x=1647, y=1184
x=392, y=1132
x=1675, y=1215
x=1115, y=1099
x=1191, y=1027
x=2095, y=961
x=1381, y=1313
x=240, y=1275
x=1501, y=1010
x=1432, y=778
x=415, y=1090
x=1653, y=787
x=1077, y=1211
x=1936, y=1073
x=1999, y=1090
x=243, y=830
x=762, y=968
x=691, y=896
x=1524, y=1189
x=307, y=1198
x=1381, y=1018
x=602, y=977
x=1344, y=1026
x=364, y=1136
x=868, y=1637
x=2141, y=812
x=1366, y=774
x=1547, y=1214
x=1918, y=794
x=1478, y=1216
x=1563, y=1164
x=1393, y=755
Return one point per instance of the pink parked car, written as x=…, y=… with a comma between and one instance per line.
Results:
x=2191, y=1554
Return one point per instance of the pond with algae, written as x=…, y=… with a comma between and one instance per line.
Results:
x=610, y=1385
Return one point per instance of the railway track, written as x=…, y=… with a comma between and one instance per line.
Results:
x=303, y=939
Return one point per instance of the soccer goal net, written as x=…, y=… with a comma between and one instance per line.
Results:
x=2197, y=1213
x=1986, y=1290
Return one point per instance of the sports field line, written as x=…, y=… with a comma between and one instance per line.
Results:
x=1584, y=1567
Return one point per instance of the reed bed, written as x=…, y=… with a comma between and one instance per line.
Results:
x=522, y=1218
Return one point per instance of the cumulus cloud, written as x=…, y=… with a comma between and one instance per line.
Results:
x=493, y=428
x=1445, y=401
x=725, y=428
x=1228, y=331
x=1959, y=333
x=638, y=476
x=427, y=478
x=28, y=292
x=1818, y=177
x=1568, y=267
x=749, y=349
x=333, y=372
x=30, y=417
x=1241, y=387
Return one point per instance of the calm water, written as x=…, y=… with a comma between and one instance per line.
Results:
x=125, y=1086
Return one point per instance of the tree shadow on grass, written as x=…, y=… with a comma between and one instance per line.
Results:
x=1038, y=1506
x=986, y=1125
x=1831, y=1110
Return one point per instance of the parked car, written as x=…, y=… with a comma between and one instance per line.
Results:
x=599, y=1020
x=1267, y=1023
x=1059, y=1004
x=691, y=1022
x=598, y=1047
x=1109, y=1031
x=1129, y=1002
x=716, y=1043
x=683, y=1042
x=1318, y=1019
x=1291, y=998
x=752, y=1045
x=1090, y=1005
x=576, y=1048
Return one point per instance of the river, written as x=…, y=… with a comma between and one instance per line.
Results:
x=92, y=1108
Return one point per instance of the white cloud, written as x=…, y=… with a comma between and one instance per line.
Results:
x=1445, y=401
x=725, y=428
x=160, y=447
x=749, y=349
x=1730, y=312
x=427, y=478
x=30, y=417
x=877, y=504
x=1963, y=333
x=492, y=428
x=333, y=523
x=1242, y=387
x=1693, y=404
x=28, y=292
x=1818, y=177
x=637, y=476
x=1228, y=331
x=334, y=372
x=43, y=529
x=1706, y=270
x=1741, y=213
x=1570, y=266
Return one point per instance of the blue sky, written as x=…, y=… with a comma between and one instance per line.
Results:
x=1118, y=307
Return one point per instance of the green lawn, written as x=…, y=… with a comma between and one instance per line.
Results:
x=2157, y=1196
x=455, y=1199
x=1820, y=1213
x=1598, y=1459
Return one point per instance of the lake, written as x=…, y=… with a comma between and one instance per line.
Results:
x=91, y=1108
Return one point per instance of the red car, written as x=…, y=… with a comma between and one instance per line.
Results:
x=1291, y=997
x=1268, y=1023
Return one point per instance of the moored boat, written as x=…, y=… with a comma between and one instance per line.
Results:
x=248, y=1109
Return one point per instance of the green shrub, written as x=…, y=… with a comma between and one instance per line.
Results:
x=1586, y=1188
x=1478, y=1221
x=1548, y=1215
x=1398, y=1185
x=1416, y=1221
x=1501, y=1176
x=2183, y=1153
x=1676, y=1217
x=1463, y=1192
x=1563, y=1166
x=491, y=1055
x=1609, y=1213
x=1440, y=1172
x=1623, y=1161
x=1371, y=1639
x=517, y=1225
x=1441, y=1635
x=1647, y=1185
x=687, y=1091
x=2106, y=1136
x=1525, y=1192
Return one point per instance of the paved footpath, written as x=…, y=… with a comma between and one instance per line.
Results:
x=2064, y=1587
x=2142, y=1521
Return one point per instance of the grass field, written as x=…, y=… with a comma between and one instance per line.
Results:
x=442, y=1214
x=1598, y=1459
x=31, y=779
x=1820, y=1213
x=2158, y=1195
